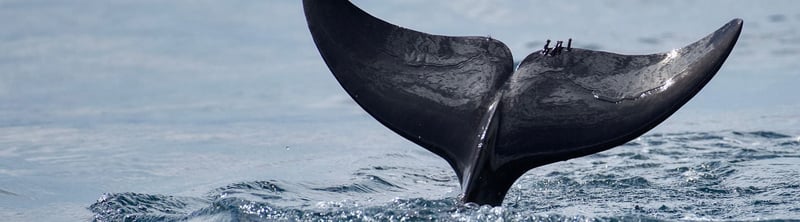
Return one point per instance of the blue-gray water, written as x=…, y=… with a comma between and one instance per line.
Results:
x=686, y=176
x=204, y=110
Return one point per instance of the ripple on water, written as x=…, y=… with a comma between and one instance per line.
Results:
x=762, y=134
x=144, y=207
x=680, y=176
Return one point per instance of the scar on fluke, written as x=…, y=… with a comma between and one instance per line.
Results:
x=462, y=99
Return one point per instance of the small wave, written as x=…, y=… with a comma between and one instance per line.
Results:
x=790, y=143
x=253, y=190
x=614, y=182
x=143, y=207
x=762, y=134
x=358, y=188
x=9, y=193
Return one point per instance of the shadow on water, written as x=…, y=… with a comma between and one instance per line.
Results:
x=676, y=176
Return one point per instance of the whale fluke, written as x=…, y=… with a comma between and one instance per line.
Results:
x=462, y=99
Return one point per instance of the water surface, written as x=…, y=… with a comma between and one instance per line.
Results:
x=224, y=111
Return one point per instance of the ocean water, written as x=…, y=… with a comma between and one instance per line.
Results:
x=718, y=175
x=224, y=111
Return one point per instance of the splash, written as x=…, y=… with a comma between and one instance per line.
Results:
x=675, y=176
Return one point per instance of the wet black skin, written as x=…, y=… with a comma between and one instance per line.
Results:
x=462, y=99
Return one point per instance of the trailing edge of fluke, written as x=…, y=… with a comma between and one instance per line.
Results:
x=462, y=99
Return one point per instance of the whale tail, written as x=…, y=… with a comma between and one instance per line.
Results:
x=462, y=99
